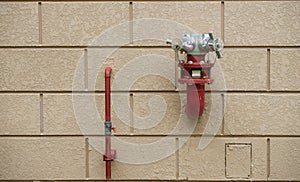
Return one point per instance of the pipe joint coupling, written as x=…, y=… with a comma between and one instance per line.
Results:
x=107, y=127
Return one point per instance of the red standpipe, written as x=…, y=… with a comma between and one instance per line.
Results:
x=109, y=153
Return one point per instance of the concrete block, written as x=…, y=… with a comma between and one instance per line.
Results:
x=40, y=69
x=284, y=159
x=284, y=69
x=209, y=163
x=84, y=23
x=238, y=160
x=43, y=158
x=241, y=69
x=171, y=20
x=20, y=114
x=132, y=68
x=131, y=151
x=164, y=113
x=59, y=116
x=262, y=114
x=19, y=24
x=79, y=114
x=262, y=23
x=156, y=113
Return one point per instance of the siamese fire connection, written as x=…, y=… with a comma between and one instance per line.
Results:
x=195, y=69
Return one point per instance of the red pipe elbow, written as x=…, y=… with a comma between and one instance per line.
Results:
x=107, y=72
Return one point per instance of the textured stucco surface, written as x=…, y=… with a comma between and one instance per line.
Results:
x=19, y=24
x=42, y=158
x=151, y=119
x=262, y=23
x=164, y=169
x=243, y=69
x=134, y=63
x=80, y=23
x=39, y=69
x=60, y=114
x=275, y=114
x=52, y=60
x=284, y=69
x=285, y=154
x=182, y=17
x=20, y=114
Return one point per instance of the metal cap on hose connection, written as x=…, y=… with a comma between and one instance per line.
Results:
x=198, y=44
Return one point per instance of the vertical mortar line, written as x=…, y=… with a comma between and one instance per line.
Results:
x=41, y=114
x=225, y=160
x=131, y=113
x=223, y=112
x=87, y=158
x=268, y=69
x=131, y=22
x=40, y=22
x=251, y=161
x=177, y=157
x=268, y=158
x=222, y=20
x=86, y=73
x=176, y=71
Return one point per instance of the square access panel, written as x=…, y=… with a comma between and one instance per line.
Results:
x=238, y=158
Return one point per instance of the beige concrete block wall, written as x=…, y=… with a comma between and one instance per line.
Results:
x=52, y=59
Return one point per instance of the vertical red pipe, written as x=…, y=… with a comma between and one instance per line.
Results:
x=107, y=119
x=107, y=93
x=195, y=100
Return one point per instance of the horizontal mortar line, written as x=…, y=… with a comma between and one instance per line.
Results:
x=101, y=180
x=148, y=91
x=152, y=180
x=266, y=47
x=133, y=1
x=108, y=0
x=207, y=91
x=152, y=135
x=89, y=92
x=129, y=46
x=259, y=92
x=96, y=180
x=105, y=0
x=79, y=47
x=236, y=179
